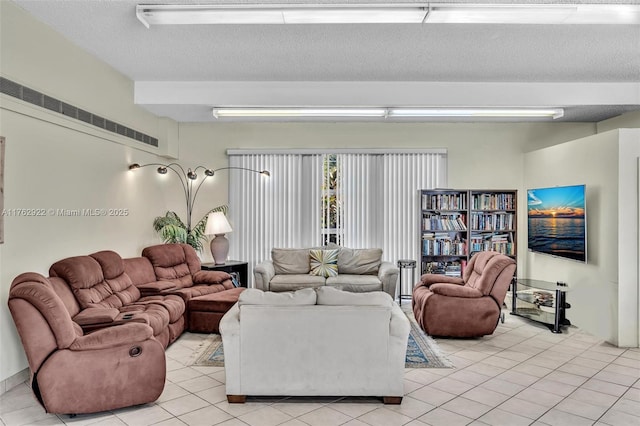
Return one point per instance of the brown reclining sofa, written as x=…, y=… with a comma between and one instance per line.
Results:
x=95, y=330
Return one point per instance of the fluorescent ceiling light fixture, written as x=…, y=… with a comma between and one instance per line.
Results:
x=534, y=14
x=301, y=112
x=416, y=13
x=477, y=112
x=185, y=14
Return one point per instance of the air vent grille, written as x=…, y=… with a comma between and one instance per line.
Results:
x=26, y=94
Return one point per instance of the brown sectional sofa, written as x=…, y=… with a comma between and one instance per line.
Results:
x=95, y=330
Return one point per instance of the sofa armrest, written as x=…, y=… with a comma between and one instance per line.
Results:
x=454, y=290
x=263, y=273
x=113, y=336
x=210, y=277
x=96, y=316
x=156, y=287
x=388, y=275
x=400, y=326
x=429, y=279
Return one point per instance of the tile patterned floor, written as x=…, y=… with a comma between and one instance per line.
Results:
x=521, y=375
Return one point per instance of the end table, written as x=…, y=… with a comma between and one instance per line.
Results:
x=238, y=266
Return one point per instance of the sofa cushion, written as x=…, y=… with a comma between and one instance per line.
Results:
x=84, y=276
x=295, y=282
x=323, y=263
x=356, y=283
x=253, y=296
x=114, y=274
x=359, y=261
x=173, y=262
x=174, y=305
x=333, y=296
x=290, y=261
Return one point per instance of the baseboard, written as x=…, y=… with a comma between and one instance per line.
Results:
x=13, y=381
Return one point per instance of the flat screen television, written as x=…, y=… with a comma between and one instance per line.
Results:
x=557, y=221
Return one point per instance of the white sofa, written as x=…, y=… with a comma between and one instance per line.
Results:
x=309, y=343
x=359, y=270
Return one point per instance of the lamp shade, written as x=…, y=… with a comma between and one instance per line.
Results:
x=217, y=223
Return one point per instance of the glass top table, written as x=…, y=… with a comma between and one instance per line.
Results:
x=544, y=285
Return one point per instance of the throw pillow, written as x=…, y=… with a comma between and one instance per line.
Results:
x=359, y=261
x=290, y=261
x=323, y=263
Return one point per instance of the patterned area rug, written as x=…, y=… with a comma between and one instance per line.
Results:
x=422, y=350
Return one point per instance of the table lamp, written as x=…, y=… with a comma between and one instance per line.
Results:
x=218, y=225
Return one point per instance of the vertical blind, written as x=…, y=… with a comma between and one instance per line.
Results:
x=282, y=210
x=377, y=201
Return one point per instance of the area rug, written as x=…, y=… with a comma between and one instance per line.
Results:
x=422, y=350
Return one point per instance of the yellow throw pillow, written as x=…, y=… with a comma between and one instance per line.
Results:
x=323, y=263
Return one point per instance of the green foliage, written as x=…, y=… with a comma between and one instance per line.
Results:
x=173, y=230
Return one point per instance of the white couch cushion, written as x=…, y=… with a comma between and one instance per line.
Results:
x=290, y=261
x=253, y=296
x=333, y=296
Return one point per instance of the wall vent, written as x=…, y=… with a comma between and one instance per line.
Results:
x=34, y=97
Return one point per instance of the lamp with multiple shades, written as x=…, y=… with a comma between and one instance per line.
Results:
x=189, y=180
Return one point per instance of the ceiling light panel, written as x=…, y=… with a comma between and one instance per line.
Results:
x=416, y=13
x=533, y=14
x=302, y=112
x=299, y=112
x=477, y=112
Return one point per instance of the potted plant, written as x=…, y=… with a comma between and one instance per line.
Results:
x=173, y=230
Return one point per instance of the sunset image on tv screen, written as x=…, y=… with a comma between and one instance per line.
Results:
x=556, y=221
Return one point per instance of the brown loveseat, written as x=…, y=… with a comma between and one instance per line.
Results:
x=464, y=307
x=94, y=332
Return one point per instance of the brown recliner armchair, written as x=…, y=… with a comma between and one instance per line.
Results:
x=464, y=307
x=72, y=372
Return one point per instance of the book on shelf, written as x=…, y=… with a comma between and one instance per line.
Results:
x=497, y=221
x=451, y=269
x=444, y=201
x=444, y=222
x=494, y=201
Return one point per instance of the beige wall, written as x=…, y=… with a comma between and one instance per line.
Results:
x=629, y=120
x=597, y=294
x=59, y=163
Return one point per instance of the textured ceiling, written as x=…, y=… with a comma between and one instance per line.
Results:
x=383, y=52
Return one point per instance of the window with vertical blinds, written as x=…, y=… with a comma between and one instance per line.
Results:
x=355, y=199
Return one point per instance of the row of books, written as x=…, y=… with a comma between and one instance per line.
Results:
x=504, y=248
x=501, y=201
x=451, y=269
x=443, y=247
x=444, y=223
x=444, y=201
x=492, y=221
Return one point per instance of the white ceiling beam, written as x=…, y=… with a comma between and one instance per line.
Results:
x=384, y=94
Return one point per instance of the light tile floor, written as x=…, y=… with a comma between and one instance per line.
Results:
x=523, y=374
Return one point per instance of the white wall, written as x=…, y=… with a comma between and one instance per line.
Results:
x=596, y=290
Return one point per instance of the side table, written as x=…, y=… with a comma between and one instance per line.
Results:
x=407, y=267
x=542, y=301
x=238, y=266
